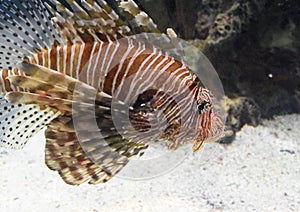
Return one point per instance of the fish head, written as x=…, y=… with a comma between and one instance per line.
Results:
x=210, y=125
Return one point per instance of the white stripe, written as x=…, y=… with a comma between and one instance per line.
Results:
x=139, y=78
x=43, y=58
x=36, y=58
x=49, y=58
x=177, y=97
x=173, y=88
x=30, y=59
x=65, y=50
x=186, y=79
x=139, y=72
x=21, y=72
x=186, y=103
x=58, y=58
x=190, y=119
x=79, y=59
x=177, y=93
x=137, y=53
x=149, y=82
x=188, y=115
x=120, y=65
x=116, y=47
x=72, y=58
x=108, y=67
x=11, y=73
x=96, y=65
x=103, y=62
x=90, y=63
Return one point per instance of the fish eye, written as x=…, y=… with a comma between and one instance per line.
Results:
x=203, y=106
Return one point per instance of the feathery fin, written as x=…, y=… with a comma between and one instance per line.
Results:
x=88, y=20
x=65, y=155
x=19, y=122
x=137, y=19
x=75, y=147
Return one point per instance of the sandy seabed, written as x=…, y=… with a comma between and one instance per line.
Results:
x=259, y=171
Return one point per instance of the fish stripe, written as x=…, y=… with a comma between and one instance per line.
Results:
x=96, y=64
x=146, y=60
x=65, y=57
x=72, y=62
x=90, y=62
x=131, y=63
x=125, y=56
x=148, y=78
x=104, y=61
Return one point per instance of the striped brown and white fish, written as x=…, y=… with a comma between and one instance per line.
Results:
x=102, y=90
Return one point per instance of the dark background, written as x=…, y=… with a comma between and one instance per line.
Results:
x=259, y=62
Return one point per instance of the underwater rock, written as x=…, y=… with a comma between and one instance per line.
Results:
x=240, y=111
x=253, y=45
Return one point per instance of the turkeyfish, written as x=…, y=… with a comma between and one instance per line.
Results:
x=91, y=75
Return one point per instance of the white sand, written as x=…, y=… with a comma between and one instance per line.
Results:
x=259, y=171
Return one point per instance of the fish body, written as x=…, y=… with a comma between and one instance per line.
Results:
x=102, y=92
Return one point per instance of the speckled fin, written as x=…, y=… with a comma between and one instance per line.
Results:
x=19, y=122
x=79, y=149
x=25, y=28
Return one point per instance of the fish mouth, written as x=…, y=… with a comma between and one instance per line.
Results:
x=216, y=131
x=211, y=138
x=197, y=145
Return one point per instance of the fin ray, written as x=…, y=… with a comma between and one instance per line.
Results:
x=18, y=122
x=73, y=163
x=24, y=29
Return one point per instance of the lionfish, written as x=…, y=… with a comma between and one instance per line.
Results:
x=78, y=69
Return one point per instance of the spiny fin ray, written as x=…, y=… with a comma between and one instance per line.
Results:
x=25, y=28
x=19, y=122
